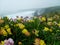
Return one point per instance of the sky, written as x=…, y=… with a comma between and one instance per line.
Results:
x=9, y=6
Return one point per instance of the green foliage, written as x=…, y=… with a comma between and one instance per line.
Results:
x=32, y=25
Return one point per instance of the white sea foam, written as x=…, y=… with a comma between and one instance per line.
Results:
x=24, y=14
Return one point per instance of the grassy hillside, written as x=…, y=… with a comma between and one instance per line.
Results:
x=48, y=11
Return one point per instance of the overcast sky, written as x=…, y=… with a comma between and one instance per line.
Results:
x=15, y=5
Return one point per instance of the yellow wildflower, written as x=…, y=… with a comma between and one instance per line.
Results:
x=19, y=43
x=50, y=19
x=56, y=17
x=58, y=24
x=35, y=32
x=4, y=32
x=46, y=29
x=25, y=31
x=50, y=30
x=42, y=42
x=37, y=41
x=9, y=30
x=49, y=23
x=1, y=32
x=6, y=26
x=16, y=25
x=2, y=43
x=55, y=23
x=1, y=21
x=30, y=20
x=43, y=19
x=21, y=25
